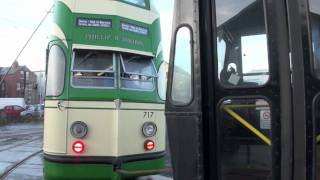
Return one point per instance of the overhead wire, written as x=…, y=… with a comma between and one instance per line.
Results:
x=25, y=45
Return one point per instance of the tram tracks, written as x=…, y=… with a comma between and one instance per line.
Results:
x=19, y=144
x=16, y=165
x=11, y=136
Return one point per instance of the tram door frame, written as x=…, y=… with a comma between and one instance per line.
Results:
x=196, y=145
x=277, y=91
x=292, y=90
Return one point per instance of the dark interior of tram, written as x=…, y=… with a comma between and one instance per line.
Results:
x=244, y=155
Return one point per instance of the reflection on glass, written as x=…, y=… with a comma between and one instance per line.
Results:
x=137, y=2
x=162, y=81
x=182, y=82
x=245, y=140
x=56, y=71
x=315, y=29
x=242, y=43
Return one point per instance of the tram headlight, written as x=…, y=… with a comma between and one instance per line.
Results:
x=149, y=129
x=79, y=130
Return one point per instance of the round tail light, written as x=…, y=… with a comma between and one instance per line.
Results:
x=149, y=145
x=78, y=147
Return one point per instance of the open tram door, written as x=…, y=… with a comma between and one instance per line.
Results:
x=243, y=98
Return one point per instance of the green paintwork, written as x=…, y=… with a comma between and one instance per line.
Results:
x=58, y=171
x=66, y=20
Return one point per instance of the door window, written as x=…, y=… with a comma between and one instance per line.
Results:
x=245, y=126
x=181, y=92
x=315, y=29
x=242, y=43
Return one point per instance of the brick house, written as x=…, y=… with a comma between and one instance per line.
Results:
x=20, y=82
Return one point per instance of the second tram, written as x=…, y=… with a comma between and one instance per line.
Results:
x=104, y=108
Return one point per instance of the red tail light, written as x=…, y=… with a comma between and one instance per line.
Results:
x=78, y=147
x=149, y=145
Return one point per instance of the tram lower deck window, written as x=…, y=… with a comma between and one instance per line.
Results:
x=137, y=72
x=93, y=69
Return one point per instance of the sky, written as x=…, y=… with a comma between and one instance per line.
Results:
x=18, y=19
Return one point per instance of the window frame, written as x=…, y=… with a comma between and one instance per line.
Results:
x=147, y=2
x=93, y=87
x=65, y=70
x=312, y=52
x=121, y=64
x=173, y=53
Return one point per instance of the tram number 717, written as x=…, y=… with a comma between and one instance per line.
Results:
x=148, y=114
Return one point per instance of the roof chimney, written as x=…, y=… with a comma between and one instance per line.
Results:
x=15, y=64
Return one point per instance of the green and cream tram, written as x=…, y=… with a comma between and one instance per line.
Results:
x=243, y=99
x=104, y=108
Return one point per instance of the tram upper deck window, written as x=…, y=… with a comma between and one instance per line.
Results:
x=315, y=29
x=242, y=44
x=93, y=69
x=141, y=3
x=137, y=72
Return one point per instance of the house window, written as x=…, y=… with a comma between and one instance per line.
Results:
x=18, y=87
x=27, y=75
x=21, y=74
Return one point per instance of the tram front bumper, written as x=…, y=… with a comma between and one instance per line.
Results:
x=54, y=170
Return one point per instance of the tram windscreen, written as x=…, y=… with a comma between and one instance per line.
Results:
x=93, y=69
x=137, y=72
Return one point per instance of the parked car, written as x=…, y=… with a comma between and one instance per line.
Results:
x=33, y=111
x=12, y=102
x=13, y=111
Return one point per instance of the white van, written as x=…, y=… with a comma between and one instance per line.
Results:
x=12, y=101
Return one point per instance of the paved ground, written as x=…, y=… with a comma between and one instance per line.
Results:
x=22, y=140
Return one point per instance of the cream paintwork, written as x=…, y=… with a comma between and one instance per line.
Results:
x=131, y=139
x=109, y=48
x=112, y=132
x=102, y=136
x=57, y=31
x=113, y=8
x=55, y=125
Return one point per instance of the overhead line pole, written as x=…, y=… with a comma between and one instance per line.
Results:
x=25, y=45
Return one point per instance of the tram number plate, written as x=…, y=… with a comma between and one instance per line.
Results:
x=148, y=114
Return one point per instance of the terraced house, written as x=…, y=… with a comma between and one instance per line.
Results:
x=19, y=82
